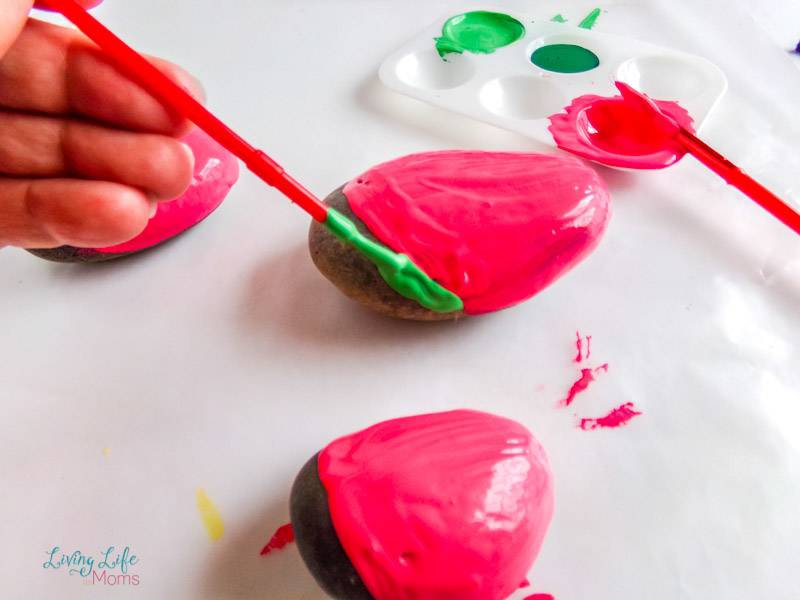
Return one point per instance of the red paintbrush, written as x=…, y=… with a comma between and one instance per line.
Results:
x=710, y=157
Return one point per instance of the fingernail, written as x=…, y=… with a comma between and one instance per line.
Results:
x=202, y=97
x=188, y=151
x=190, y=154
x=191, y=85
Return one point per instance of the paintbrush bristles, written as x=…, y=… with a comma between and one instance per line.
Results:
x=641, y=103
x=715, y=161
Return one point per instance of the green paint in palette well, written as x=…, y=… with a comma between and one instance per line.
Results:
x=479, y=32
x=564, y=58
x=402, y=275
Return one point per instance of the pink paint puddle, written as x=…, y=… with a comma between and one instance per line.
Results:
x=587, y=377
x=616, y=418
x=284, y=535
x=540, y=597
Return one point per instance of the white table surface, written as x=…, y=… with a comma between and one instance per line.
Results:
x=223, y=360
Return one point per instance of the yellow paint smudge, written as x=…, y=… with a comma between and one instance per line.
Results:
x=107, y=450
x=210, y=515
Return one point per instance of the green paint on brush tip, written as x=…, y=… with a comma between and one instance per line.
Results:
x=402, y=275
x=479, y=32
x=590, y=19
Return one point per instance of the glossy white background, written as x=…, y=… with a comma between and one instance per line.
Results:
x=224, y=360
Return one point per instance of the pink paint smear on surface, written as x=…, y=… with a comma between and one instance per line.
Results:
x=284, y=535
x=579, y=346
x=540, y=597
x=616, y=418
x=587, y=377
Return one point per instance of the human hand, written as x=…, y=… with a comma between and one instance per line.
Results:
x=85, y=153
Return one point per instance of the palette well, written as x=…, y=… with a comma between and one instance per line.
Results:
x=514, y=71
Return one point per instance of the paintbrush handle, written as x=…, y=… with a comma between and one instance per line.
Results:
x=711, y=158
x=739, y=179
x=173, y=96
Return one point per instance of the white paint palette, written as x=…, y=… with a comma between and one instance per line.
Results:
x=506, y=88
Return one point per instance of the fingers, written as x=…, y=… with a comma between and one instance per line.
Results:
x=75, y=166
x=85, y=3
x=55, y=70
x=34, y=145
x=45, y=213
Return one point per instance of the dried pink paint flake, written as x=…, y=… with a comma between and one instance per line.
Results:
x=284, y=535
x=579, y=344
x=580, y=385
x=616, y=418
x=587, y=377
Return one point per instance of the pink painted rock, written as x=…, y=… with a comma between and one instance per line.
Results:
x=494, y=228
x=443, y=506
x=215, y=172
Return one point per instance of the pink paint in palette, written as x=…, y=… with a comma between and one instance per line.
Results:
x=635, y=130
x=608, y=131
x=542, y=69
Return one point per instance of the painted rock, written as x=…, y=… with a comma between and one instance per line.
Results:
x=494, y=228
x=215, y=172
x=444, y=506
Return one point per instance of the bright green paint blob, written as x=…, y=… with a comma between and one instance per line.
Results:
x=402, y=275
x=479, y=32
x=565, y=58
x=558, y=19
x=590, y=19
